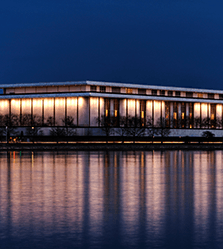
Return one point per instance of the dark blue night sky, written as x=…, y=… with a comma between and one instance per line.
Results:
x=175, y=42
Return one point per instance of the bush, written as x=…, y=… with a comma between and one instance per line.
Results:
x=207, y=134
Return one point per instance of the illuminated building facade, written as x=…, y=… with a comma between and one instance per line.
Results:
x=185, y=111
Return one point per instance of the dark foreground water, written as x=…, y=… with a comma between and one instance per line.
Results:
x=171, y=199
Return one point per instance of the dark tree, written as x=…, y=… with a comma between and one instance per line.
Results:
x=161, y=129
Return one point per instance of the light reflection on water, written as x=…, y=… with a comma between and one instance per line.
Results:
x=142, y=199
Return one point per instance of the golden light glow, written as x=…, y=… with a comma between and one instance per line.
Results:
x=59, y=102
x=182, y=115
x=175, y=115
x=131, y=107
x=106, y=113
x=4, y=107
x=157, y=106
x=71, y=101
x=116, y=113
x=26, y=106
x=204, y=110
x=48, y=102
x=129, y=90
x=15, y=106
x=37, y=102
x=142, y=114
x=196, y=109
x=80, y=101
x=219, y=111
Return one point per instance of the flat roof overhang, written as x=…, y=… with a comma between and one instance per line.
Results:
x=110, y=95
x=111, y=84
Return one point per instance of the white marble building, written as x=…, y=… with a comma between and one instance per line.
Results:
x=185, y=111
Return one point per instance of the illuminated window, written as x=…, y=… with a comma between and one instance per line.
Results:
x=116, y=109
x=175, y=116
x=142, y=114
x=200, y=95
x=143, y=111
x=183, y=115
x=128, y=90
x=107, y=107
x=191, y=111
x=167, y=114
x=213, y=115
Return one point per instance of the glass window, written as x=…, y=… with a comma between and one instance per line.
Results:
x=213, y=116
x=183, y=115
x=162, y=92
x=167, y=114
x=102, y=89
x=170, y=93
x=211, y=96
x=177, y=94
x=175, y=115
x=107, y=108
x=93, y=88
x=191, y=111
x=142, y=91
x=143, y=112
x=154, y=92
x=115, y=89
x=189, y=94
x=128, y=90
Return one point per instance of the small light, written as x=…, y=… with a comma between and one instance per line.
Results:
x=33, y=128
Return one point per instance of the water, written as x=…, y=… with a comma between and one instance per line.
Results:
x=142, y=199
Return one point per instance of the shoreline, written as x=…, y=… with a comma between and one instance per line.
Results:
x=111, y=146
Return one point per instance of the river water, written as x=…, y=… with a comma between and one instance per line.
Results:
x=135, y=199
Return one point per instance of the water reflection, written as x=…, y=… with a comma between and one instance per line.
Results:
x=111, y=199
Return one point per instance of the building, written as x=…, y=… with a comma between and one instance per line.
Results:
x=185, y=111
